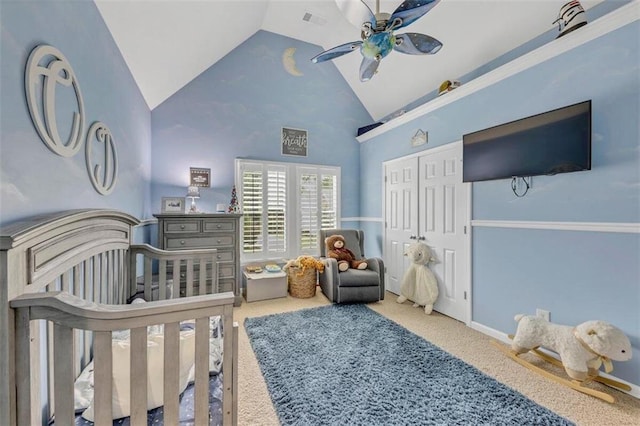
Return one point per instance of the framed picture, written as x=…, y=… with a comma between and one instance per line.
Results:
x=173, y=205
x=294, y=142
x=199, y=177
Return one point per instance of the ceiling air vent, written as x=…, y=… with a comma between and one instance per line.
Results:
x=318, y=20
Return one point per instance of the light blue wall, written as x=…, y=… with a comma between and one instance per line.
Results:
x=32, y=178
x=576, y=275
x=236, y=109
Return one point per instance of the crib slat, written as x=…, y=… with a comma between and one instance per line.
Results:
x=79, y=335
x=176, y=280
x=106, y=291
x=201, y=406
x=63, y=374
x=147, y=279
x=139, y=376
x=102, y=378
x=23, y=368
x=87, y=296
x=97, y=296
x=229, y=350
x=190, y=277
x=162, y=279
x=171, y=373
x=203, y=275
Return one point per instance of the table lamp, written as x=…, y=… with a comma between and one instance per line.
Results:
x=193, y=192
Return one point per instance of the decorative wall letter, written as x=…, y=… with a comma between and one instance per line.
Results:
x=46, y=68
x=46, y=76
x=103, y=180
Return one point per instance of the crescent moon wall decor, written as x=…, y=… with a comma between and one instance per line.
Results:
x=289, y=62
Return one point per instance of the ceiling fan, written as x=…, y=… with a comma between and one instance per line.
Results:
x=377, y=33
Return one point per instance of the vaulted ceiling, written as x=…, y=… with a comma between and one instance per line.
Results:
x=167, y=43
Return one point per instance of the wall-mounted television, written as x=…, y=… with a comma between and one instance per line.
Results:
x=557, y=141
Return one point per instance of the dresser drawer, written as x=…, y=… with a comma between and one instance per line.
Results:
x=226, y=255
x=226, y=270
x=219, y=225
x=183, y=226
x=226, y=285
x=173, y=243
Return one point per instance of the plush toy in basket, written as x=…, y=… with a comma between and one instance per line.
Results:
x=346, y=259
x=419, y=284
x=301, y=275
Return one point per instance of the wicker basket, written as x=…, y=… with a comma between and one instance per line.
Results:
x=302, y=284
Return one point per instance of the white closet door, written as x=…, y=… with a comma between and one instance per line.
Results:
x=401, y=217
x=443, y=224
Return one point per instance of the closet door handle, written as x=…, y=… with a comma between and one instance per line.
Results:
x=422, y=238
x=413, y=237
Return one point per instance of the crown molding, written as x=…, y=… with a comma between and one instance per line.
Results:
x=620, y=17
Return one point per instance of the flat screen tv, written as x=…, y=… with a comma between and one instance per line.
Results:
x=557, y=141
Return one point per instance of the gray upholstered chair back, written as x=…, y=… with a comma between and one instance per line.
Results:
x=354, y=241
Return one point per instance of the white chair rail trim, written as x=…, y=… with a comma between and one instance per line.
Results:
x=618, y=227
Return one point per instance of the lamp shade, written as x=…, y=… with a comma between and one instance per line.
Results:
x=193, y=192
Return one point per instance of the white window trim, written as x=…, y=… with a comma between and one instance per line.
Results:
x=293, y=170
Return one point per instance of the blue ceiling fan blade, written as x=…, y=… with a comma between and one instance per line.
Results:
x=368, y=68
x=335, y=52
x=356, y=12
x=416, y=44
x=409, y=11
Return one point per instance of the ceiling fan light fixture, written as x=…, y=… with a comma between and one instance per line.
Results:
x=376, y=33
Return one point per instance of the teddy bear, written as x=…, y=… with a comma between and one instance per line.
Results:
x=346, y=259
x=582, y=348
x=419, y=284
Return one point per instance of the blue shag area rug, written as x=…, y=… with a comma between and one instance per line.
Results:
x=348, y=365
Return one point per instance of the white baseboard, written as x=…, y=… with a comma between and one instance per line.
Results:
x=498, y=335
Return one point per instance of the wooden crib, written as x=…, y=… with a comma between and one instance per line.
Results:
x=65, y=280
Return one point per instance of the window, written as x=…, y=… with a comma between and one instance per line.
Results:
x=284, y=206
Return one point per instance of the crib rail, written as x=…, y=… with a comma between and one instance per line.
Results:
x=69, y=313
x=170, y=274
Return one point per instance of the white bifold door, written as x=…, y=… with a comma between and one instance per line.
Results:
x=426, y=200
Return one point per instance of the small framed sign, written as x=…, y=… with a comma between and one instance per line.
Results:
x=294, y=142
x=172, y=205
x=199, y=177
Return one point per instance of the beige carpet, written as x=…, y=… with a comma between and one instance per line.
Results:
x=254, y=403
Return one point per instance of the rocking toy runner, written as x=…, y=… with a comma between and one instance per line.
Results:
x=582, y=349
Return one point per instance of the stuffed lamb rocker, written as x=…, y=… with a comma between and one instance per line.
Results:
x=419, y=284
x=582, y=348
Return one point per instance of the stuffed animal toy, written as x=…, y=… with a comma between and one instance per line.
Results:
x=582, y=349
x=419, y=284
x=346, y=259
x=303, y=263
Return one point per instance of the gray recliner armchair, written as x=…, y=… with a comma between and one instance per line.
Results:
x=352, y=285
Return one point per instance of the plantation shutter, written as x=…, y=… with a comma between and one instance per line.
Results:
x=318, y=189
x=308, y=233
x=284, y=206
x=329, y=202
x=276, y=210
x=251, y=202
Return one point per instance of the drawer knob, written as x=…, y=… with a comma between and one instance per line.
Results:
x=219, y=257
x=182, y=242
x=219, y=226
x=219, y=241
x=182, y=275
x=181, y=226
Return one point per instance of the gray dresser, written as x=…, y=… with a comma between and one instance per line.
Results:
x=203, y=230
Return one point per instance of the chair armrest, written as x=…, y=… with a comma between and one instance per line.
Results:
x=376, y=264
x=329, y=278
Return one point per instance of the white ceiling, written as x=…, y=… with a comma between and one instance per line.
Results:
x=167, y=43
